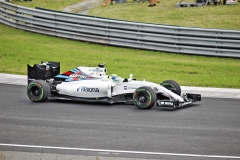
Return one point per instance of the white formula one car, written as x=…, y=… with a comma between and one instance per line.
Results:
x=92, y=84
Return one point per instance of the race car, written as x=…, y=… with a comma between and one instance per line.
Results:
x=92, y=84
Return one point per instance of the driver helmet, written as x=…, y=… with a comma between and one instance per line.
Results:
x=114, y=77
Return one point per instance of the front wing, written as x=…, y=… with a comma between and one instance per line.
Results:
x=189, y=98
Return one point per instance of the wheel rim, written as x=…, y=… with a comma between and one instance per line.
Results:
x=143, y=98
x=35, y=91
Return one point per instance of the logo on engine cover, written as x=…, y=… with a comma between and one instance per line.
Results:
x=87, y=89
x=77, y=76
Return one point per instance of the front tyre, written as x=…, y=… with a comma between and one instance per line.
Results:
x=172, y=86
x=144, y=97
x=38, y=91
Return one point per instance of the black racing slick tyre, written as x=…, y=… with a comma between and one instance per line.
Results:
x=172, y=86
x=144, y=97
x=38, y=91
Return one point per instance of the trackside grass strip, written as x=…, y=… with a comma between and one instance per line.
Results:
x=18, y=47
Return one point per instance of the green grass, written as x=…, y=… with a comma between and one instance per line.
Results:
x=211, y=16
x=51, y=4
x=24, y=47
x=17, y=48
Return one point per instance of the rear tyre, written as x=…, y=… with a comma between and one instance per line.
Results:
x=38, y=91
x=172, y=86
x=144, y=97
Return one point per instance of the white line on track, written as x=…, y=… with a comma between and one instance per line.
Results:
x=120, y=151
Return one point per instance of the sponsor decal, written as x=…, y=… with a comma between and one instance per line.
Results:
x=155, y=89
x=87, y=89
x=126, y=88
x=96, y=70
x=167, y=103
x=78, y=76
x=132, y=88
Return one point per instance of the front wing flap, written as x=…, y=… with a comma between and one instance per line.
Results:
x=189, y=98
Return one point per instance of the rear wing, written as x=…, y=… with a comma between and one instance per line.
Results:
x=43, y=71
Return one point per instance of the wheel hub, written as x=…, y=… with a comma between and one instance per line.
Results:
x=35, y=91
x=142, y=98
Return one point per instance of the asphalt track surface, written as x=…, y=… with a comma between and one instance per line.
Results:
x=206, y=130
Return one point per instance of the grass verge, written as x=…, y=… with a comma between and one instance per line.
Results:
x=51, y=4
x=211, y=16
x=17, y=48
